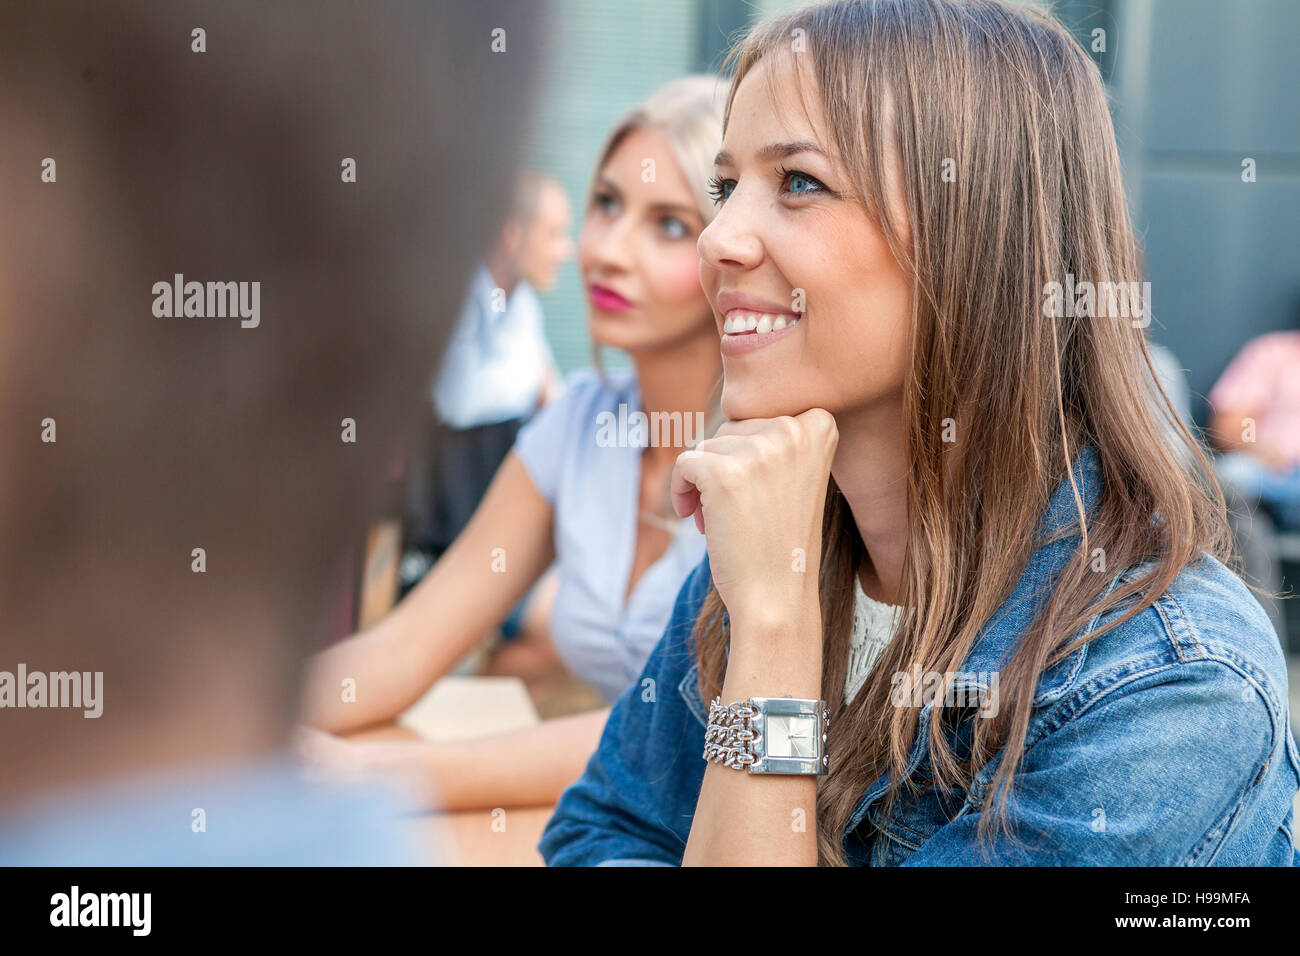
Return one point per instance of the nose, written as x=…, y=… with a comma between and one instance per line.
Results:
x=729, y=242
x=606, y=246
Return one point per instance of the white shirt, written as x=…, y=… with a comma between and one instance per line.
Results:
x=874, y=624
x=498, y=357
x=601, y=633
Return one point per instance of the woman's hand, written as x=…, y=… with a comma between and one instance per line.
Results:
x=757, y=490
x=401, y=763
x=326, y=756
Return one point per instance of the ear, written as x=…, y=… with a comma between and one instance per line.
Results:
x=512, y=237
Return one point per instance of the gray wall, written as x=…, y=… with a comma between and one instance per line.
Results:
x=1198, y=86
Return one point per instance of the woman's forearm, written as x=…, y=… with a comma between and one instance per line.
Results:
x=1227, y=430
x=745, y=819
x=367, y=679
x=529, y=767
x=374, y=676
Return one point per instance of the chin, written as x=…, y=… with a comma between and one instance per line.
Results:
x=741, y=400
x=609, y=331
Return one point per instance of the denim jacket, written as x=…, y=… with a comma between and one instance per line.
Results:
x=1164, y=742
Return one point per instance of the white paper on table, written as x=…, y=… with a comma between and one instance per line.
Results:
x=458, y=708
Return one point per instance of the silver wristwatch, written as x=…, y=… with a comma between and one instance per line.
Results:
x=769, y=735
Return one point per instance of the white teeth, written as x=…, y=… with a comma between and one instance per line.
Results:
x=758, y=322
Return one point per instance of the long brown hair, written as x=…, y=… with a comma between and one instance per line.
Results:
x=1007, y=102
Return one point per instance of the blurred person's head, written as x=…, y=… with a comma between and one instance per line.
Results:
x=535, y=240
x=647, y=204
x=183, y=433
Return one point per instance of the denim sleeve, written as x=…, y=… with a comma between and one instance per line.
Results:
x=1155, y=771
x=636, y=799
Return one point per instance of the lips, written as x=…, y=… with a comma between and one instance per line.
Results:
x=606, y=299
x=739, y=343
x=751, y=322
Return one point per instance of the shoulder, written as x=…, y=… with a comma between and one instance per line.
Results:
x=563, y=437
x=589, y=387
x=1283, y=339
x=1267, y=350
x=1205, y=643
x=583, y=397
x=593, y=399
x=1206, y=614
x=525, y=304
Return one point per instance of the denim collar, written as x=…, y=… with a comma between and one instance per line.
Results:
x=996, y=643
x=998, y=638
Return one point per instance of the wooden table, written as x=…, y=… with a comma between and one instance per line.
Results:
x=455, y=709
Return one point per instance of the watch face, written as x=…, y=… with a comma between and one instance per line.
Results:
x=794, y=736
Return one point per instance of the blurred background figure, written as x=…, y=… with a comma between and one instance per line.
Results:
x=1256, y=424
x=177, y=491
x=498, y=370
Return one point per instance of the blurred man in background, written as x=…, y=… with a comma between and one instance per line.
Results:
x=497, y=371
x=176, y=490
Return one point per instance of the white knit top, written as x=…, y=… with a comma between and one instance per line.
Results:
x=874, y=623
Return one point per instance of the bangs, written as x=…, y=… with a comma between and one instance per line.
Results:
x=855, y=126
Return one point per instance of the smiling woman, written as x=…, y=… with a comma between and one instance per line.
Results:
x=791, y=241
x=926, y=475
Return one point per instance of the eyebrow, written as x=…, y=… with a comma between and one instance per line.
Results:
x=772, y=151
x=656, y=207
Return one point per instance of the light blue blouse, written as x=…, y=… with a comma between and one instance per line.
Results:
x=594, y=488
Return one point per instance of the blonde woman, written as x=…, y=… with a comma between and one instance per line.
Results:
x=944, y=529
x=579, y=489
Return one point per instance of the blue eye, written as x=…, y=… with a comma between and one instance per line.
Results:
x=674, y=228
x=794, y=179
x=720, y=189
